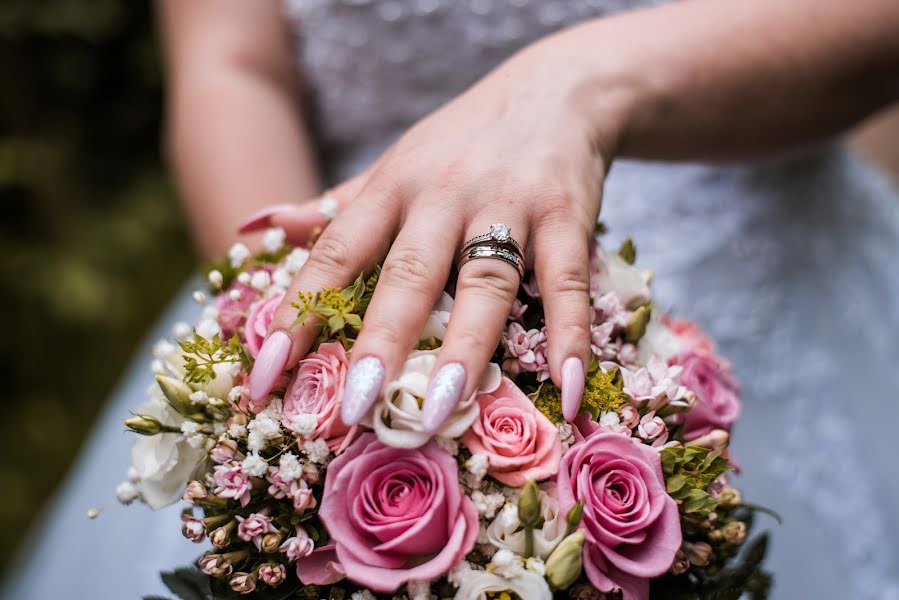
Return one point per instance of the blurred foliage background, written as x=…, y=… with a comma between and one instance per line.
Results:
x=92, y=244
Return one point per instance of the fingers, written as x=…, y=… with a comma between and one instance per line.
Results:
x=305, y=221
x=412, y=278
x=485, y=290
x=561, y=266
x=352, y=244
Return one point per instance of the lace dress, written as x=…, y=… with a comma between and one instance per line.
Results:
x=791, y=265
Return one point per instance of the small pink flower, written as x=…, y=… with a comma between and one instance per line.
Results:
x=600, y=337
x=629, y=416
x=299, y=546
x=278, y=488
x=302, y=496
x=717, y=395
x=258, y=319
x=311, y=473
x=520, y=443
x=396, y=514
x=653, y=428
x=243, y=583
x=530, y=286
x=253, y=527
x=272, y=574
x=232, y=305
x=608, y=308
x=518, y=310
x=215, y=565
x=224, y=451
x=193, y=528
x=195, y=492
x=317, y=389
x=232, y=482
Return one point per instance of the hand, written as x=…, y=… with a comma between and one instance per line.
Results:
x=513, y=149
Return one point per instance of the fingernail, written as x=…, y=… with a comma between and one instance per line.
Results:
x=269, y=365
x=572, y=387
x=263, y=218
x=363, y=383
x=443, y=394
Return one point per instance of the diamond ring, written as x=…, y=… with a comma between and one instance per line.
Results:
x=498, y=244
x=500, y=234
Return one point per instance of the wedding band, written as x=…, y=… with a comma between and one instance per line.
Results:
x=500, y=234
x=485, y=250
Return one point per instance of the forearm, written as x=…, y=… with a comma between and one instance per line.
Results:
x=236, y=145
x=713, y=79
x=234, y=132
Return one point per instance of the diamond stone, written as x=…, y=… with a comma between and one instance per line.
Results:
x=500, y=232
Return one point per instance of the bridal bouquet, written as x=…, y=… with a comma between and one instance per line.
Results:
x=507, y=500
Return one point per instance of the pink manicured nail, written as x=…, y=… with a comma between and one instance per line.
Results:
x=443, y=394
x=263, y=218
x=572, y=387
x=363, y=383
x=269, y=365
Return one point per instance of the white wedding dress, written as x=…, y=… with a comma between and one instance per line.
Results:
x=792, y=265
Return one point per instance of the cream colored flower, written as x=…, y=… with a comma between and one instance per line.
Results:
x=627, y=281
x=396, y=419
x=435, y=328
x=505, y=531
x=526, y=584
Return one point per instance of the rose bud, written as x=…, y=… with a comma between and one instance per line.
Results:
x=271, y=541
x=699, y=553
x=243, y=583
x=272, y=574
x=564, y=565
x=144, y=425
x=734, y=532
x=193, y=528
x=215, y=565
x=195, y=492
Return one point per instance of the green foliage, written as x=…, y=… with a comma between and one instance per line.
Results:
x=628, y=251
x=688, y=472
x=340, y=310
x=202, y=355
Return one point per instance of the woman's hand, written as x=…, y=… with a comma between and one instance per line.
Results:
x=513, y=149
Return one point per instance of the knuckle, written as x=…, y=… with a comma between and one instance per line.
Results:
x=472, y=343
x=488, y=282
x=378, y=334
x=408, y=267
x=568, y=280
x=330, y=253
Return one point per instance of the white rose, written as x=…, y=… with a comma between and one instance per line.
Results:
x=627, y=281
x=657, y=341
x=396, y=419
x=438, y=320
x=163, y=463
x=506, y=533
x=526, y=584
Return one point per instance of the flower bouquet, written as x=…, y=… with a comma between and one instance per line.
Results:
x=507, y=500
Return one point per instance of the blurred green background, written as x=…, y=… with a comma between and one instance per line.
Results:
x=93, y=244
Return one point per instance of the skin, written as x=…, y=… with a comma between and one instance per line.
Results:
x=528, y=145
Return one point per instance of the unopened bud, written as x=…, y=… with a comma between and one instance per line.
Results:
x=529, y=505
x=144, y=424
x=195, y=492
x=215, y=565
x=573, y=519
x=221, y=537
x=734, y=532
x=272, y=541
x=636, y=325
x=178, y=394
x=564, y=565
x=698, y=553
x=272, y=574
x=243, y=583
x=730, y=497
x=680, y=565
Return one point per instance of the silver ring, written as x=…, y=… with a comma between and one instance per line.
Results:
x=500, y=235
x=486, y=250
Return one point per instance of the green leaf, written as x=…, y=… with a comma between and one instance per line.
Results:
x=188, y=583
x=675, y=483
x=628, y=251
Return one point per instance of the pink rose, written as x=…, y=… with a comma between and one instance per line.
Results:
x=259, y=318
x=717, y=395
x=316, y=389
x=321, y=567
x=232, y=482
x=690, y=335
x=232, y=309
x=631, y=524
x=395, y=514
x=519, y=441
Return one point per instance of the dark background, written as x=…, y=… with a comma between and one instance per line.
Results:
x=93, y=244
